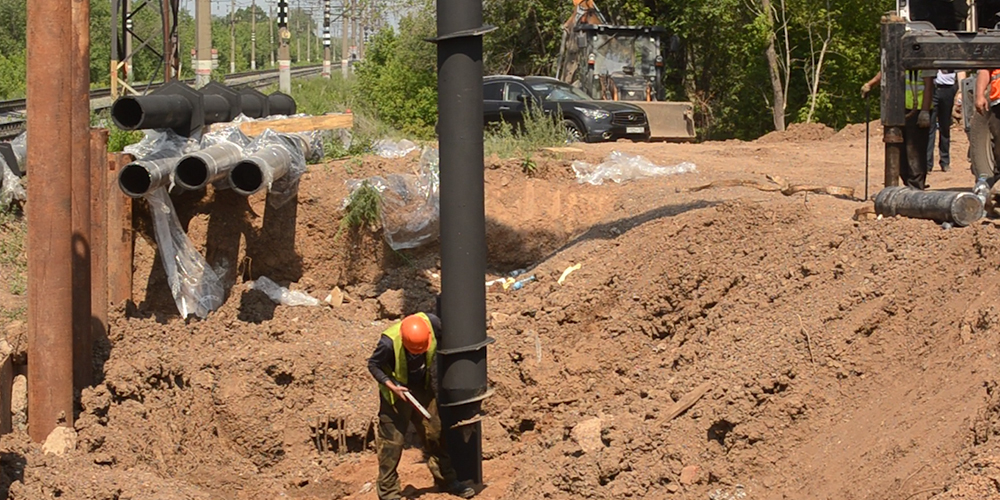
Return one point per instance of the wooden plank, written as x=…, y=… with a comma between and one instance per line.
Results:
x=300, y=124
x=688, y=400
x=120, y=235
x=99, y=232
x=6, y=384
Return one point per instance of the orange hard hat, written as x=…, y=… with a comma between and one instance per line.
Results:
x=416, y=333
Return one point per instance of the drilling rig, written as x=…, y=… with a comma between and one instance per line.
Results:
x=622, y=63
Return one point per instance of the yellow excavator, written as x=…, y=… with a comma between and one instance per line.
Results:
x=622, y=63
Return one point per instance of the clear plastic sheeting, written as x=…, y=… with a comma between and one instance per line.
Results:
x=10, y=186
x=227, y=133
x=20, y=146
x=387, y=148
x=197, y=288
x=620, y=167
x=282, y=295
x=283, y=184
x=161, y=144
x=410, y=203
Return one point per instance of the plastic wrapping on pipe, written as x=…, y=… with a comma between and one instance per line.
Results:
x=10, y=186
x=197, y=288
x=410, y=205
x=285, y=156
x=161, y=144
x=20, y=146
x=221, y=150
x=156, y=156
x=620, y=167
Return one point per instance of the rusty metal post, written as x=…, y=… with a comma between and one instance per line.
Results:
x=893, y=96
x=168, y=46
x=80, y=174
x=98, y=232
x=50, y=289
x=120, y=234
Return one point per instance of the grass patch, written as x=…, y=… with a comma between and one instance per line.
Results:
x=13, y=259
x=364, y=208
x=117, y=138
x=537, y=131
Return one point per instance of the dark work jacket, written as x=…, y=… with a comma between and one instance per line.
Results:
x=416, y=364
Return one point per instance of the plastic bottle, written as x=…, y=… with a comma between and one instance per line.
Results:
x=520, y=284
x=517, y=272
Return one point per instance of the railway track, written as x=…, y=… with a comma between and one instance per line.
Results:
x=101, y=98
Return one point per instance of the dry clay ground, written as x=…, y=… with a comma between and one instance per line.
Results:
x=839, y=359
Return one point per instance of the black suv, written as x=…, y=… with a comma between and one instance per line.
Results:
x=508, y=98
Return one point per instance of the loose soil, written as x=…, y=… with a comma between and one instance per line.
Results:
x=841, y=359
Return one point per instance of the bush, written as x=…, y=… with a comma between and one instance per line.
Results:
x=538, y=131
x=398, y=78
x=363, y=209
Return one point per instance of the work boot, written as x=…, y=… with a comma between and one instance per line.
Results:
x=460, y=490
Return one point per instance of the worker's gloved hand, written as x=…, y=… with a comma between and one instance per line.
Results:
x=865, y=89
x=399, y=390
x=924, y=119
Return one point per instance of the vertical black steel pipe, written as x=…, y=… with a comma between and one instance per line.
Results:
x=50, y=255
x=893, y=92
x=463, y=231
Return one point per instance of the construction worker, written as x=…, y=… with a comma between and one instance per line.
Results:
x=984, y=127
x=404, y=361
x=913, y=163
x=942, y=106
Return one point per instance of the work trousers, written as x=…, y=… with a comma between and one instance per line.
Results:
x=944, y=102
x=913, y=161
x=983, y=146
x=393, y=421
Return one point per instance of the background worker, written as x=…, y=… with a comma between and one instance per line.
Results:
x=984, y=127
x=405, y=361
x=913, y=163
x=942, y=105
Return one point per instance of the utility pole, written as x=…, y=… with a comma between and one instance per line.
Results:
x=232, y=36
x=50, y=97
x=253, y=35
x=129, y=78
x=284, y=55
x=203, y=43
x=344, y=47
x=309, y=25
x=270, y=26
x=298, y=32
x=326, y=39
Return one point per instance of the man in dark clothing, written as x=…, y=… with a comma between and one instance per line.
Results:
x=405, y=361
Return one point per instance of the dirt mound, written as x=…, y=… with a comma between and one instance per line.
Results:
x=798, y=132
x=722, y=344
x=856, y=131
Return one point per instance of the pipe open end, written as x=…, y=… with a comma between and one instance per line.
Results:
x=191, y=173
x=247, y=178
x=135, y=180
x=127, y=113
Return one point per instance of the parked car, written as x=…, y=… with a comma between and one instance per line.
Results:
x=507, y=99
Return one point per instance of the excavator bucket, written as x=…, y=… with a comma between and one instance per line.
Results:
x=668, y=121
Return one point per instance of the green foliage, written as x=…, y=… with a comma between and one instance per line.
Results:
x=537, y=131
x=363, y=209
x=13, y=259
x=398, y=79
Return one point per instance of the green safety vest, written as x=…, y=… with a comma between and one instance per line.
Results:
x=914, y=90
x=400, y=373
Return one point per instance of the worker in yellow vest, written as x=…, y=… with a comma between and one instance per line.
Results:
x=919, y=93
x=404, y=362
